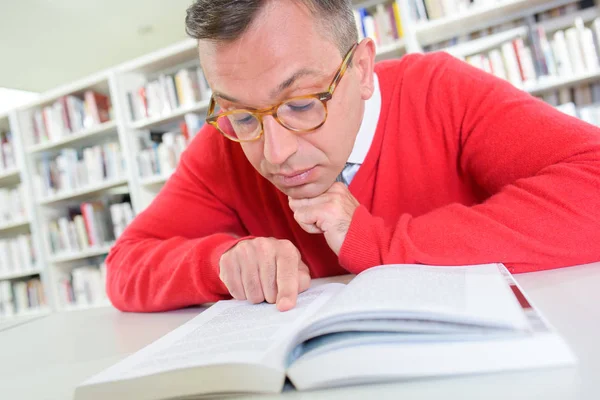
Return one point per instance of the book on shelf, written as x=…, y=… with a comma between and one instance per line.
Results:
x=191, y=125
x=394, y=322
x=12, y=205
x=21, y=296
x=17, y=255
x=74, y=169
x=91, y=225
x=84, y=286
x=160, y=153
x=167, y=93
x=121, y=215
x=7, y=152
x=69, y=115
x=382, y=23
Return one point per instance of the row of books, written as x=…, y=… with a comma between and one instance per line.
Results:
x=21, y=296
x=12, y=205
x=69, y=115
x=427, y=10
x=571, y=52
x=564, y=10
x=17, y=255
x=90, y=225
x=83, y=286
x=582, y=102
x=160, y=154
x=580, y=96
x=382, y=23
x=589, y=113
x=7, y=152
x=167, y=93
x=75, y=169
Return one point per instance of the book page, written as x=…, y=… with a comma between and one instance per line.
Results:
x=470, y=294
x=230, y=331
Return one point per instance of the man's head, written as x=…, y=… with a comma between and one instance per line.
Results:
x=258, y=53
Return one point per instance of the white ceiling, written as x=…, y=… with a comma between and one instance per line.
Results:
x=46, y=43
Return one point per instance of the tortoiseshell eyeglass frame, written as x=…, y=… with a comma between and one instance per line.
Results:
x=259, y=114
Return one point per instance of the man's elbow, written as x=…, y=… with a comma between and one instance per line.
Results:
x=120, y=286
x=115, y=289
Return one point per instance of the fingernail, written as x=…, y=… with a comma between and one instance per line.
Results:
x=285, y=304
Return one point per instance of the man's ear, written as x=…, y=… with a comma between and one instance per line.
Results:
x=364, y=62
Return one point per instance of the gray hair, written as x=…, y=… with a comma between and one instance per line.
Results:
x=227, y=20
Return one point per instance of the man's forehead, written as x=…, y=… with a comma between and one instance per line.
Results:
x=233, y=77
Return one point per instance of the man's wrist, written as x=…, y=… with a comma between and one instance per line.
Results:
x=227, y=243
x=360, y=250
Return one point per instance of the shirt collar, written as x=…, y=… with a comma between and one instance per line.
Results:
x=368, y=126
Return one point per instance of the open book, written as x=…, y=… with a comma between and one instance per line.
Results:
x=390, y=322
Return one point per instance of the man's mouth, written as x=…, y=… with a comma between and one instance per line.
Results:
x=294, y=178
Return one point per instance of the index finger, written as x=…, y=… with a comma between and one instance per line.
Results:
x=287, y=281
x=296, y=204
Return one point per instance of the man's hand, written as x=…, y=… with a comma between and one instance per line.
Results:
x=330, y=213
x=265, y=269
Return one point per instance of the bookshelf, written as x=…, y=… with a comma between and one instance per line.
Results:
x=480, y=16
x=81, y=255
x=556, y=83
x=80, y=137
x=21, y=261
x=21, y=274
x=9, y=175
x=155, y=180
x=158, y=102
x=14, y=224
x=179, y=113
x=163, y=98
x=83, y=192
x=74, y=158
x=555, y=58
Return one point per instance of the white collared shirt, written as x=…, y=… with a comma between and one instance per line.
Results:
x=366, y=133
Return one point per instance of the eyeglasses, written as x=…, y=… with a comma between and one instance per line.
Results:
x=298, y=114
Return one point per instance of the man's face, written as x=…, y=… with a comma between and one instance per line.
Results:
x=282, y=55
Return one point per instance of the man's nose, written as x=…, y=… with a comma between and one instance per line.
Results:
x=279, y=142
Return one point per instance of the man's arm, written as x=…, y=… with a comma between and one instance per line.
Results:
x=169, y=255
x=540, y=167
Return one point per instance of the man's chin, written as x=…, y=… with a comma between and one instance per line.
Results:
x=306, y=191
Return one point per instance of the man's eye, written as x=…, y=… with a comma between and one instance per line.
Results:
x=243, y=120
x=300, y=106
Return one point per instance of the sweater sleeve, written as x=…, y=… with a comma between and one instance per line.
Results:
x=539, y=170
x=168, y=257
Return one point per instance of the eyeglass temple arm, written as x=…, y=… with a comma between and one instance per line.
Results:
x=342, y=71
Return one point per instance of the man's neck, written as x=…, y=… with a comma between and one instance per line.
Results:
x=368, y=126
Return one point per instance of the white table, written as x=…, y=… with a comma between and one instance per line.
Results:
x=46, y=358
x=19, y=320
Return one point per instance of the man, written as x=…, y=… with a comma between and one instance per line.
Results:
x=316, y=162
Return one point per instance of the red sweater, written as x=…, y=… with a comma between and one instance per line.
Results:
x=463, y=169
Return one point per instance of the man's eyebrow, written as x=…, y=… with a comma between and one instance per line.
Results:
x=282, y=86
x=226, y=97
x=290, y=81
